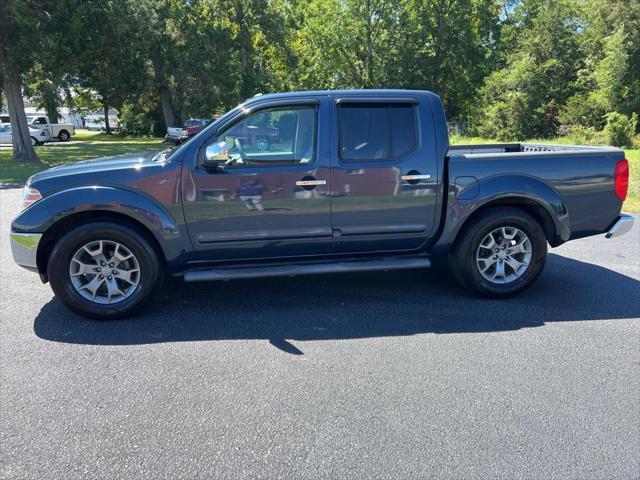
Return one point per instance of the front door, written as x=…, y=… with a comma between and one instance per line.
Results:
x=271, y=199
x=384, y=175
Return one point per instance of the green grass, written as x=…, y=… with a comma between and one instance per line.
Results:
x=632, y=204
x=92, y=145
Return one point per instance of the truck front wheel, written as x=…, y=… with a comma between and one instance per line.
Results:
x=499, y=253
x=104, y=270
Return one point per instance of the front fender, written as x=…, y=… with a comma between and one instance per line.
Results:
x=466, y=198
x=43, y=214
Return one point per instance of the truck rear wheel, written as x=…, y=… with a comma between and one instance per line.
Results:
x=64, y=136
x=104, y=270
x=499, y=253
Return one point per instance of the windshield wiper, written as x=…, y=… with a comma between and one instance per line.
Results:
x=163, y=154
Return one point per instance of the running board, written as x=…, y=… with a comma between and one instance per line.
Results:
x=293, y=270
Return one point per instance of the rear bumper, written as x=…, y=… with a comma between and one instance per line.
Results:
x=621, y=226
x=24, y=247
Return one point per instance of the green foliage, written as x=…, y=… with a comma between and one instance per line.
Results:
x=523, y=99
x=142, y=118
x=514, y=69
x=620, y=129
x=584, y=110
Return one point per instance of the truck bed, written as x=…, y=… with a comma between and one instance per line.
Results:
x=492, y=148
x=579, y=178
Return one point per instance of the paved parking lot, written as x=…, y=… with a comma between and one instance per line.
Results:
x=375, y=375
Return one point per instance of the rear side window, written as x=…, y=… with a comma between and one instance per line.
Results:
x=377, y=131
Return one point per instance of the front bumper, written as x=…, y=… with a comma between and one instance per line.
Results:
x=24, y=247
x=621, y=226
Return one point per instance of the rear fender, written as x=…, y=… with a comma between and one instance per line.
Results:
x=465, y=200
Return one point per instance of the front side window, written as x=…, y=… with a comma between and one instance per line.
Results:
x=377, y=131
x=273, y=136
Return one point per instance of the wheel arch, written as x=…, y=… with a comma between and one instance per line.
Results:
x=51, y=236
x=532, y=207
x=529, y=194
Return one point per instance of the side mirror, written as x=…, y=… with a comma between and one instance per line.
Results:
x=215, y=154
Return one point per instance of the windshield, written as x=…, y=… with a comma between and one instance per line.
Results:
x=193, y=123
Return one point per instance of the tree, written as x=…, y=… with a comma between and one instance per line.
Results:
x=523, y=99
x=39, y=86
x=106, y=58
x=19, y=19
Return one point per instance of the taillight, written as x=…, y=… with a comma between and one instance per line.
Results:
x=622, y=179
x=29, y=196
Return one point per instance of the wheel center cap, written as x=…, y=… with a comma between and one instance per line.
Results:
x=502, y=254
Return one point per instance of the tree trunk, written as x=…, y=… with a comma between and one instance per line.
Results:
x=107, y=127
x=52, y=112
x=23, y=150
x=167, y=108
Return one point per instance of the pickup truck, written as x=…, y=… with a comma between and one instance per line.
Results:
x=191, y=127
x=61, y=131
x=360, y=180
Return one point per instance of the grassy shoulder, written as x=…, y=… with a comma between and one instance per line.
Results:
x=85, y=145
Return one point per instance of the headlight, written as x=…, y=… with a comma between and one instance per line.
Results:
x=184, y=133
x=29, y=196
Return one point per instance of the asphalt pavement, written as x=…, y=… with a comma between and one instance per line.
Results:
x=373, y=375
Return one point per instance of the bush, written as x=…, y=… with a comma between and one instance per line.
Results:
x=579, y=135
x=142, y=118
x=620, y=129
x=585, y=110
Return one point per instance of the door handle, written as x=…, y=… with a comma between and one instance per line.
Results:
x=309, y=182
x=413, y=177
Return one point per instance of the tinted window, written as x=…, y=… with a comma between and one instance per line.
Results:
x=377, y=131
x=279, y=135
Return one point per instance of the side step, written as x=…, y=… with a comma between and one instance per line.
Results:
x=293, y=270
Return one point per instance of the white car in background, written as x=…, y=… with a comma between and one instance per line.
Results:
x=38, y=135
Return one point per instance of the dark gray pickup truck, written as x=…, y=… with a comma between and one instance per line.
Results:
x=358, y=180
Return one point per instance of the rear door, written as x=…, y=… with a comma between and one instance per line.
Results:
x=272, y=200
x=384, y=173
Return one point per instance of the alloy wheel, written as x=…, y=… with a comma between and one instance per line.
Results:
x=504, y=255
x=104, y=272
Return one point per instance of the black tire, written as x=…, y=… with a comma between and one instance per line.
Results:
x=150, y=279
x=462, y=257
x=64, y=136
x=35, y=142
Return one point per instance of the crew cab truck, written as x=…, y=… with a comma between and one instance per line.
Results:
x=358, y=180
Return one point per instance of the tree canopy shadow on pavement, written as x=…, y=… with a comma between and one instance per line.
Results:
x=347, y=306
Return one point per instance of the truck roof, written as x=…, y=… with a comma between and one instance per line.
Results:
x=347, y=92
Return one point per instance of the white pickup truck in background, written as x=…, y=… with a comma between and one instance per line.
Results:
x=60, y=131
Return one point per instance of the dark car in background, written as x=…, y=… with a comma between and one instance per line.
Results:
x=191, y=127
